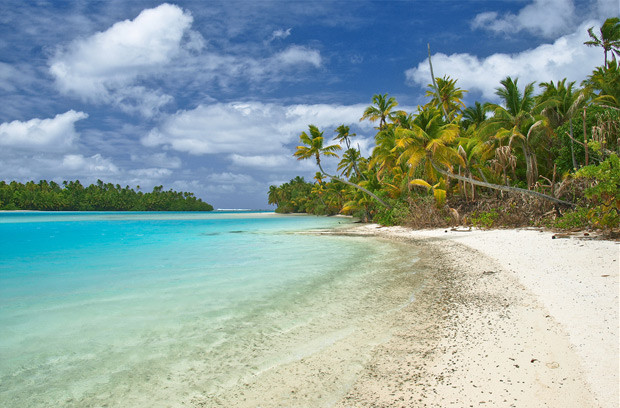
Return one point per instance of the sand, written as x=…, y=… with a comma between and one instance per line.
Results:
x=529, y=321
x=505, y=318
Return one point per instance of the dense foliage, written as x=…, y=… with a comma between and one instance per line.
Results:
x=547, y=154
x=73, y=196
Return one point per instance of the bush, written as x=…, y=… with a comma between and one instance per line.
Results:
x=604, y=192
x=394, y=216
x=484, y=219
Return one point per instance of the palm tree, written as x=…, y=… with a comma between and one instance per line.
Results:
x=428, y=140
x=384, y=154
x=474, y=115
x=313, y=148
x=274, y=195
x=517, y=121
x=348, y=164
x=343, y=136
x=381, y=110
x=605, y=80
x=473, y=153
x=566, y=104
x=609, y=39
x=446, y=96
x=319, y=177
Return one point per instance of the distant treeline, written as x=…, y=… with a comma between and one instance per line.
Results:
x=73, y=196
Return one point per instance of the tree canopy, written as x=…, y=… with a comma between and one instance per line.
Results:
x=455, y=158
x=73, y=196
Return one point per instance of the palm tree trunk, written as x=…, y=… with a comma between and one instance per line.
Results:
x=572, y=143
x=585, y=135
x=504, y=188
x=443, y=108
x=380, y=201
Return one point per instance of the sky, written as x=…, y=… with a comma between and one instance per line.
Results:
x=210, y=96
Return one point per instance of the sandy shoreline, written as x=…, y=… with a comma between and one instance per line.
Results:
x=503, y=318
x=529, y=321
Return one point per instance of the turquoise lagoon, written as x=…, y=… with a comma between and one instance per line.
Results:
x=137, y=309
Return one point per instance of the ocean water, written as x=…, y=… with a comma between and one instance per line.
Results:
x=162, y=309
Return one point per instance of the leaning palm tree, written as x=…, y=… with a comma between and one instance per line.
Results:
x=313, y=147
x=609, y=39
x=381, y=110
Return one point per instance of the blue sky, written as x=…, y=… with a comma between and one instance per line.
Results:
x=210, y=97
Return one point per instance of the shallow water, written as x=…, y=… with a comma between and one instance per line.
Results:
x=128, y=309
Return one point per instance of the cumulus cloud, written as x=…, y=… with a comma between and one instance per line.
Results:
x=237, y=128
x=55, y=134
x=547, y=18
x=94, y=165
x=566, y=57
x=107, y=66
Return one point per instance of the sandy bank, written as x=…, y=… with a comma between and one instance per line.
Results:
x=529, y=321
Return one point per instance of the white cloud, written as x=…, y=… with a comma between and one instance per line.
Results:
x=261, y=162
x=229, y=178
x=280, y=34
x=150, y=173
x=248, y=128
x=567, y=57
x=547, y=18
x=107, y=66
x=158, y=160
x=56, y=134
x=95, y=165
x=297, y=55
x=606, y=8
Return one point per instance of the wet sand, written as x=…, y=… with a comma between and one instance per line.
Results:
x=504, y=318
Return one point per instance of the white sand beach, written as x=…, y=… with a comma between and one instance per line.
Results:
x=532, y=323
x=504, y=318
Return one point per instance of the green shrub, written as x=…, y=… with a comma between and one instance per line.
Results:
x=604, y=192
x=484, y=219
x=577, y=218
x=394, y=216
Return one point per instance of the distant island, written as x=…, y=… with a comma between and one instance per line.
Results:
x=73, y=196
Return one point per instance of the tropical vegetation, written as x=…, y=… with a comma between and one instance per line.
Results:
x=73, y=196
x=547, y=154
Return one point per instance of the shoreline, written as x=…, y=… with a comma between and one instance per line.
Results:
x=529, y=321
